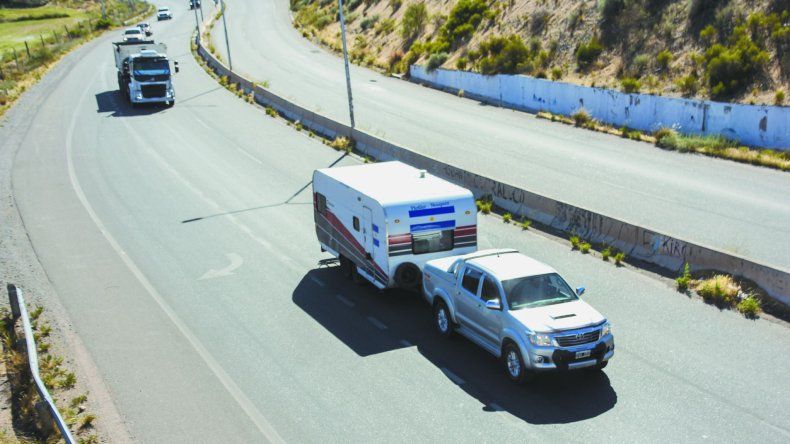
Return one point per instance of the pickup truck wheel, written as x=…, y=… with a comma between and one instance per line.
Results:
x=598, y=367
x=444, y=324
x=345, y=267
x=514, y=365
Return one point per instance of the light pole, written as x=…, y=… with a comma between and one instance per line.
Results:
x=197, y=21
x=227, y=43
x=345, y=60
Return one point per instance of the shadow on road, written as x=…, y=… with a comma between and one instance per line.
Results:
x=551, y=399
x=113, y=102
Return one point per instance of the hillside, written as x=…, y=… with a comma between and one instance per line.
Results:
x=730, y=50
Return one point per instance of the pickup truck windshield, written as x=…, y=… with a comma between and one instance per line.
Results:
x=537, y=291
x=151, y=70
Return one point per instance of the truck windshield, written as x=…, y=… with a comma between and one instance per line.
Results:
x=537, y=291
x=150, y=70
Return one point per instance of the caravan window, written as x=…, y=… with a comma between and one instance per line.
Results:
x=356, y=223
x=432, y=242
x=320, y=203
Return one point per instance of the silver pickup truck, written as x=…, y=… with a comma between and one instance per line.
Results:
x=518, y=309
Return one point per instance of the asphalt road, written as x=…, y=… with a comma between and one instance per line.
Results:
x=224, y=329
x=733, y=207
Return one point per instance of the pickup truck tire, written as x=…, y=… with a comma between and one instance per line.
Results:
x=598, y=367
x=408, y=277
x=442, y=319
x=514, y=365
x=345, y=267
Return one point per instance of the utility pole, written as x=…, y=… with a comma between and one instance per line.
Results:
x=202, y=19
x=227, y=43
x=345, y=60
x=103, y=10
x=197, y=21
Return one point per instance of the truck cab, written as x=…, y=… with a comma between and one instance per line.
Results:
x=519, y=310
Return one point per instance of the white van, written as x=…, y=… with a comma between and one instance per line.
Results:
x=383, y=221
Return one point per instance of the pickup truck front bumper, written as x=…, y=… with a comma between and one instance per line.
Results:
x=543, y=359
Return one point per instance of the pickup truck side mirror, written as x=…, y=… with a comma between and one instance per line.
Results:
x=176, y=65
x=579, y=291
x=494, y=304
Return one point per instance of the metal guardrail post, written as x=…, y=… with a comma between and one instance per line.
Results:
x=18, y=309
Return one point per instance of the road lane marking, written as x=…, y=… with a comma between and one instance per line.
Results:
x=235, y=262
x=317, y=281
x=345, y=300
x=380, y=325
x=234, y=390
x=453, y=377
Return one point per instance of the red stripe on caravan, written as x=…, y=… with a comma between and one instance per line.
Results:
x=350, y=237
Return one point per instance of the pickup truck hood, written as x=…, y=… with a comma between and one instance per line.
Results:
x=551, y=318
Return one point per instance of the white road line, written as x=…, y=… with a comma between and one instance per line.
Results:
x=244, y=402
x=453, y=377
x=405, y=343
x=380, y=325
x=345, y=300
x=318, y=282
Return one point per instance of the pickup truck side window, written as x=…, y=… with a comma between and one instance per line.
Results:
x=490, y=290
x=471, y=280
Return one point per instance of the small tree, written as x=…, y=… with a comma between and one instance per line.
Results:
x=414, y=20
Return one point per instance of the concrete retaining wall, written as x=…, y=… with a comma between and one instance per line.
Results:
x=637, y=242
x=754, y=125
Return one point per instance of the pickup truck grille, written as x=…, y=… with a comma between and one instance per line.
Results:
x=150, y=91
x=578, y=339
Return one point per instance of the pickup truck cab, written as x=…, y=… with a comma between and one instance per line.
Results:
x=519, y=310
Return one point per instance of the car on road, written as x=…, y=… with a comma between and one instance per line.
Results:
x=518, y=309
x=133, y=35
x=145, y=27
x=164, y=14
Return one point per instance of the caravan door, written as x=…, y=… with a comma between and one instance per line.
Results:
x=367, y=231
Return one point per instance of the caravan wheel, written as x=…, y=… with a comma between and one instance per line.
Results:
x=345, y=267
x=408, y=277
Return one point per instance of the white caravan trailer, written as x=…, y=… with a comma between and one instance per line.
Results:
x=383, y=221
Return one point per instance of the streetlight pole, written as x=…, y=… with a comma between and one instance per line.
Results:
x=227, y=43
x=197, y=21
x=345, y=59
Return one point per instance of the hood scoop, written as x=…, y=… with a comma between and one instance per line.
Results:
x=563, y=316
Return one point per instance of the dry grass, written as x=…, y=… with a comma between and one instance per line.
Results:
x=719, y=289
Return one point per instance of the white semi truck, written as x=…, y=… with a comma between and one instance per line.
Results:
x=144, y=74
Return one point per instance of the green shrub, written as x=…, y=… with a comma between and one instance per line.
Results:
x=610, y=8
x=369, y=22
x=619, y=258
x=484, y=205
x=385, y=26
x=507, y=217
x=395, y=4
x=708, y=34
x=684, y=279
x=639, y=64
x=779, y=97
x=720, y=289
x=539, y=21
x=556, y=73
x=342, y=144
x=729, y=69
x=630, y=85
x=605, y=253
x=663, y=59
x=749, y=307
x=581, y=118
x=575, y=19
x=463, y=20
x=414, y=20
x=437, y=60
x=461, y=63
x=508, y=55
x=584, y=247
x=103, y=23
x=587, y=54
x=688, y=85
x=525, y=224
x=271, y=112
x=575, y=242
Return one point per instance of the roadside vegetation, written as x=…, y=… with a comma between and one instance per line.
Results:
x=721, y=290
x=730, y=50
x=32, y=39
x=28, y=424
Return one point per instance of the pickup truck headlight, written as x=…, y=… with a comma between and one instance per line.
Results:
x=540, y=340
x=607, y=329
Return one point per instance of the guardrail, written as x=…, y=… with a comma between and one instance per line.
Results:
x=638, y=242
x=19, y=310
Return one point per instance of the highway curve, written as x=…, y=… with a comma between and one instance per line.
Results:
x=733, y=207
x=224, y=329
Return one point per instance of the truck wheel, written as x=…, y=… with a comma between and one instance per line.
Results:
x=408, y=277
x=345, y=267
x=514, y=365
x=442, y=320
x=598, y=367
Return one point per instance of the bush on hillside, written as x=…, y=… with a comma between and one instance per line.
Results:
x=588, y=53
x=729, y=69
x=414, y=20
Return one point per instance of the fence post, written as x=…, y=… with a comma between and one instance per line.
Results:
x=13, y=300
x=27, y=48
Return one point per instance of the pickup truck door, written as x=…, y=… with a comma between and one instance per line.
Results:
x=466, y=297
x=488, y=321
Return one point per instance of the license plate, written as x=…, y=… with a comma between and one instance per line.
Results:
x=582, y=354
